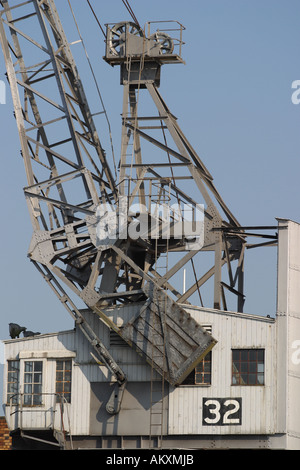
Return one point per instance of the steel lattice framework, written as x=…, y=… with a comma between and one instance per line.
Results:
x=71, y=190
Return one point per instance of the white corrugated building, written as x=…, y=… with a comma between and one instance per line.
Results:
x=244, y=393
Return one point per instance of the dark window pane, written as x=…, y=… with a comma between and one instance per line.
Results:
x=28, y=389
x=247, y=369
x=244, y=379
x=37, y=388
x=68, y=397
x=252, y=379
x=13, y=366
x=27, y=378
x=12, y=376
x=38, y=365
x=244, y=355
x=37, y=378
x=252, y=355
x=68, y=376
x=28, y=366
x=59, y=376
x=37, y=399
x=27, y=400
x=235, y=355
x=260, y=355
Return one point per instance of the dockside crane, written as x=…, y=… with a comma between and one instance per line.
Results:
x=116, y=242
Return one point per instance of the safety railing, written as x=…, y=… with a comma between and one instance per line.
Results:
x=167, y=30
x=161, y=40
x=52, y=414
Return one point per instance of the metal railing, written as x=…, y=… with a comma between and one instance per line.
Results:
x=46, y=419
x=172, y=28
x=163, y=39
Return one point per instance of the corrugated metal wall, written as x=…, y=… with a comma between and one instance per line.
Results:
x=233, y=331
x=185, y=402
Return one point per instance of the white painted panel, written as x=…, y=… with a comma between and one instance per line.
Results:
x=258, y=402
x=185, y=406
x=289, y=330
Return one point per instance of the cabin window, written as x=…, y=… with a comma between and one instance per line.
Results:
x=201, y=375
x=63, y=380
x=248, y=366
x=33, y=374
x=13, y=378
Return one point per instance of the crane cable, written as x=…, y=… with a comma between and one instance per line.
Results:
x=93, y=11
x=126, y=3
x=96, y=83
x=129, y=9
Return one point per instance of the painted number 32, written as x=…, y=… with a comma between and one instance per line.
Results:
x=222, y=411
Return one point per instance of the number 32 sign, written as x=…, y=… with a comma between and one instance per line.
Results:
x=222, y=411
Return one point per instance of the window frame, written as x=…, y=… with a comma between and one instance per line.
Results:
x=64, y=393
x=208, y=328
x=40, y=383
x=202, y=372
x=14, y=394
x=244, y=370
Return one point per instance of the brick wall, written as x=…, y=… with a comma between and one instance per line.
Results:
x=5, y=439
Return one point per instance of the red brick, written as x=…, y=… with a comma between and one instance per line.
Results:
x=5, y=439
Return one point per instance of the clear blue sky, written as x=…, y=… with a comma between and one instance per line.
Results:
x=232, y=100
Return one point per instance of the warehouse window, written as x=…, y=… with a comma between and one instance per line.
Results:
x=248, y=366
x=33, y=374
x=13, y=377
x=201, y=375
x=63, y=380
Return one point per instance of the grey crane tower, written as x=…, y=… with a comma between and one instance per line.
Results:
x=107, y=242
